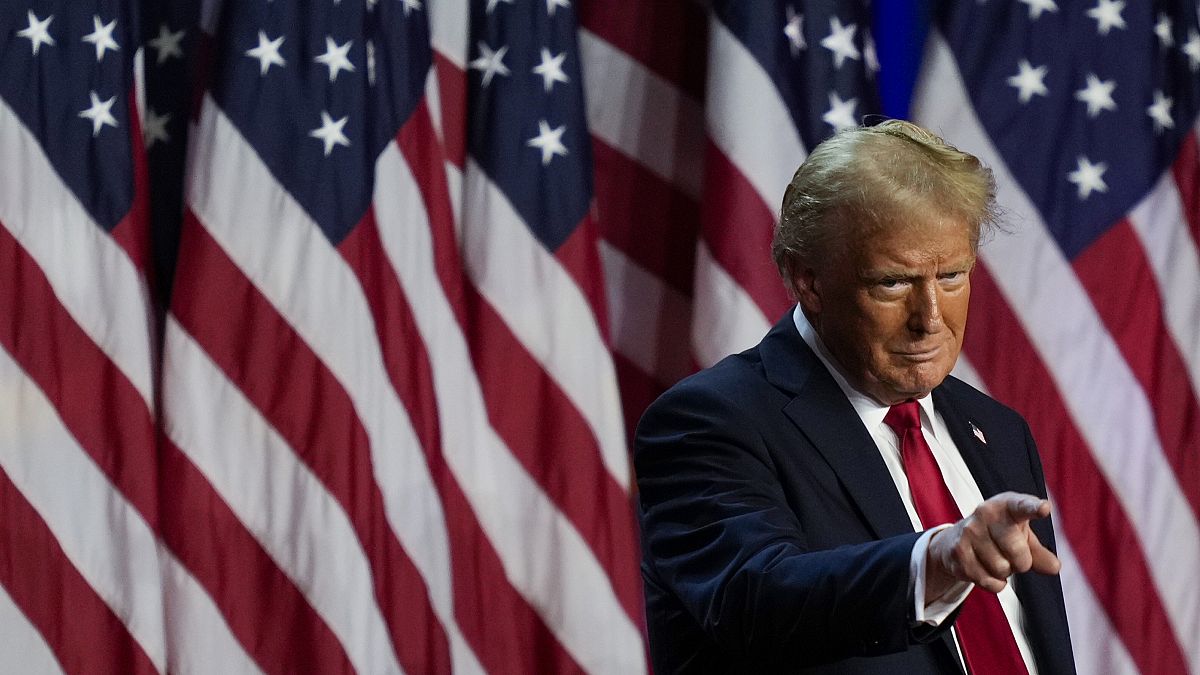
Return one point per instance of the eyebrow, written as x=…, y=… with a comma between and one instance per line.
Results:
x=880, y=273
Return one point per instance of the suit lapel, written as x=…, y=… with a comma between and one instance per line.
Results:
x=823, y=414
x=986, y=464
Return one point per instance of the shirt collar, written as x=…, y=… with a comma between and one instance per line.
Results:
x=870, y=411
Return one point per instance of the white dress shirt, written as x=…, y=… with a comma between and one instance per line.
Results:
x=954, y=471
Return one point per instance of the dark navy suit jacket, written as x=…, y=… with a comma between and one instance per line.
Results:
x=773, y=536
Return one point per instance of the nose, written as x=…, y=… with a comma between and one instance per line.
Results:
x=925, y=310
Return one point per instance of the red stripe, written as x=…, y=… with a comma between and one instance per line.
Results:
x=133, y=232
x=1187, y=177
x=738, y=228
x=103, y=411
x=82, y=631
x=97, y=403
x=668, y=38
x=1098, y=528
x=452, y=92
x=526, y=407
x=260, y=352
x=521, y=642
x=1129, y=301
x=265, y=611
x=645, y=217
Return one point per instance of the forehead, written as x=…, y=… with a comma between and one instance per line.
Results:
x=913, y=242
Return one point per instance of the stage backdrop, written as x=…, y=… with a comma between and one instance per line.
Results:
x=324, y=325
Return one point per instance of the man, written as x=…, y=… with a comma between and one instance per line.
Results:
x=803, y=502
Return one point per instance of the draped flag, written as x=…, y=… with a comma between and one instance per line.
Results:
x=80, y=575
x=419, y=452
x=323, y=324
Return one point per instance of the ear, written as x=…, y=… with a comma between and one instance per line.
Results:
x=804, y=281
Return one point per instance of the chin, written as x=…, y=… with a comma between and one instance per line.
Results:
x=916, y=386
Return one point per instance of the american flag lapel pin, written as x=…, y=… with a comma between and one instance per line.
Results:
x=978, y=433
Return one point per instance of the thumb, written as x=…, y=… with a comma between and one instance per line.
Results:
x=1044, y=560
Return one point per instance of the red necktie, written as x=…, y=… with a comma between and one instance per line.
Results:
x=987, y=641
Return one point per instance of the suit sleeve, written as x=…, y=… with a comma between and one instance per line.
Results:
x=721, y=536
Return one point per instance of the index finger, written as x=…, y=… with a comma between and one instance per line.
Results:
x=1022, y=507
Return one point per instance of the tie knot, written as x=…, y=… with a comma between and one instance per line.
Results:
x=904, y=416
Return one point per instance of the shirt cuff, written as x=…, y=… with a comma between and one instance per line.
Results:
x=937, y=611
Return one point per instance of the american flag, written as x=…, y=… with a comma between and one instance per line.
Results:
x=432, y=259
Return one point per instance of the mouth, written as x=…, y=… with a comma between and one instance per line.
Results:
x=919, y=355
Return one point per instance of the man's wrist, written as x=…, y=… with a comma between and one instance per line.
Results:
x=936, y=608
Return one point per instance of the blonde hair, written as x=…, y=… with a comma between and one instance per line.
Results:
x=870, y=177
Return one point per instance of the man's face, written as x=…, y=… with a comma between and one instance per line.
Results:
x=892, y=306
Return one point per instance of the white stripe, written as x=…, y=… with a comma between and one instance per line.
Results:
x=544, y=557
x=649, y=319
x=433, y=102
x=276, y=496
x=91, y=275
x=725, y=319
x=1098, y=649
x=139, y=85
x=449, y=23
x=1104, y=399
x=200, y=640
x=545, y=310
x=643, y=115
x=747, y=119
x=281, y=250
x=1162, y=227
x=101, y=534
x=23, y=650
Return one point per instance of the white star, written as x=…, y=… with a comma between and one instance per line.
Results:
x=549, y=141
x=101, y=36
x=167, y=43
x=492, y=4
x=841, y=113
x=1036, y=7
x=794, y=30
x=869, y=56
x=490, y=62
x=154, y=128
x=335, y=58
x=840, y=41
x=1163, y=30
x=551, y=69
x=267, y=53
x=331, y=132
x=38, y=31
x=100, y=113
x=552, y=5
x=1192, y=49
x=1029, y=81
x=1097, y=94
x=1088, y=177
x=1107, y=14
x=1160, y=112
x=411, y=6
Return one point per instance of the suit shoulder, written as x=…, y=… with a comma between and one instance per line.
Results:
x=728, y=383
